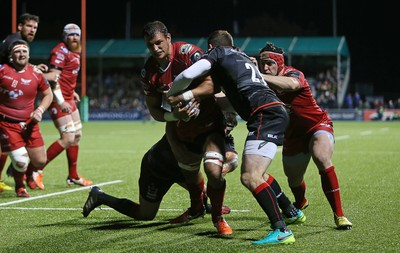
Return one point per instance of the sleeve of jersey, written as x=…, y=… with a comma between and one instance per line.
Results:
x=195, y=54
x=183, y=80
x=57, y=59
x=43, y=85
x=300, y=76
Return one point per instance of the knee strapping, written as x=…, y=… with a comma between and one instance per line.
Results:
x=213, y=157
x=69, y=127
x=20, y=159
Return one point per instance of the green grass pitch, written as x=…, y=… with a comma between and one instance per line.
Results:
x=367, y=158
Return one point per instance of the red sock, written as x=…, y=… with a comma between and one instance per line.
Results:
x=196, y=195
x=216, y=197
x=3, y=159
x=72, y=156
x=52, y=152
x=299, y=194
x=330, y=185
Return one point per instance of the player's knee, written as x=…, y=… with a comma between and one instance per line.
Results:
x=67, y=139
x=78, y=137
x=38, y=163
x=20, y=159
x=245, y=179
x=213, y=157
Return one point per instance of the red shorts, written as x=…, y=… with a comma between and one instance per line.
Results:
x=55, y=110
x=299, y=144
x=13, y=136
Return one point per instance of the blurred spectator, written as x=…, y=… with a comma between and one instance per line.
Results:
x=348, y=101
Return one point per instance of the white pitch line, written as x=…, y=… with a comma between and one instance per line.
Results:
x=56, y=193
x=366, y=132
x=97, y=209
x=342, y=137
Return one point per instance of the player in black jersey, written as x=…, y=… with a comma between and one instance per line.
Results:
x=234, y=73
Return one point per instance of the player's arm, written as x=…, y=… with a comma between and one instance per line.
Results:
x=47, y=97
x=201, y=91
x=282, y=83
x=154, y=105
x=183, y=80
x=158, y=113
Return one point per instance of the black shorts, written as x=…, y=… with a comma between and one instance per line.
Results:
x=268, y=124
x=159, y=171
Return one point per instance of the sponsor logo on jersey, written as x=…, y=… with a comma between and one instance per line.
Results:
x=14, y=83
x=272, y=136
x=54, y=110
x=185, y=49
x=64, y=49
x=25, y=81
x=14, y=94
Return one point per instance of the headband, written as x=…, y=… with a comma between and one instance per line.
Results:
x=277, y=58
x=20, y=47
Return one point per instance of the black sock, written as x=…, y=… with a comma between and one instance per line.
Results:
x=124, y=206
x=266, y=198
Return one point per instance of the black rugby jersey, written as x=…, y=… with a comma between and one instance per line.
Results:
x=234, y=72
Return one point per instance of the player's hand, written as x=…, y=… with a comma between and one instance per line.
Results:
x=77, y=98
x=175, y=100
x=193, y=108
x=52, y=77
x=66, y=107
x=230, y=164
x=43, y=67
x=190, y=110
x=254, y=60
x=37, y=114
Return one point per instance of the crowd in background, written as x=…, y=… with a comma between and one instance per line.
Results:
x=116, y=91
x=122, y=90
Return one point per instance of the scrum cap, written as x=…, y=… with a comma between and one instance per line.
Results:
x=71, y=29
x=271, y=52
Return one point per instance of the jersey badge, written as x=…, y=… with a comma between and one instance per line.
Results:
x=185, y=49
x=25, y=81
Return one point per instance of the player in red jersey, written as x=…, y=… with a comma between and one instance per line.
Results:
x=20, y=136
x=309, y=134
x=65, y=65
x=26, y=30
x=190, y=138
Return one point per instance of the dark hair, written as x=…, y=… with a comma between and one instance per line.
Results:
x=270, y=47
x=220, y=38
x=152, y=28
x=26, y=17
x=16, y=42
